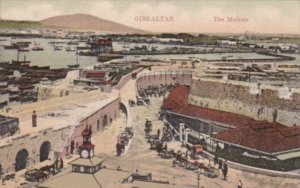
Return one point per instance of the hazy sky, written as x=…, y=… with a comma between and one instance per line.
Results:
x=264, y=16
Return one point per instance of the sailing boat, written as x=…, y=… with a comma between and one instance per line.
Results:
x=37, y=47
x=70, y=48
x=74, y=66
x=56, y=47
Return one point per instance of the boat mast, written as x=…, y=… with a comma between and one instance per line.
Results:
x=76, y=56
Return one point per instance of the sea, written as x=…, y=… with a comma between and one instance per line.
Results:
x=62, y=58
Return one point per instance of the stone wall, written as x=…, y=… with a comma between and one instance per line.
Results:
x=238, y=99
x=126, y=78
x=98, y=121
x=162, y=78
x=32, y=143
x=228, y=91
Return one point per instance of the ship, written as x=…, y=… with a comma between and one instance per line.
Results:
x=73, y=43
x=37, y=47
x=56, y=47
x=108, y=57
x=23, y=49
x=10, y=47
x=70, y=48
x=74, y=66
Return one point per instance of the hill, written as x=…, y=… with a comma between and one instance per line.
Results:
x=11, y=24
x=88, y=22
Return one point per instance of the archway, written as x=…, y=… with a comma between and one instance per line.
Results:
x=105, y=121
x=44, y=151
x=21, y=159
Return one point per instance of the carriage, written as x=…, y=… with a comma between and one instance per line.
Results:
x=167, y=136
x=139, y=102
x=166, y=154
x=36, y=175
x=129, y=130
x=120, y=146
x=204, y=165
x=156, y=145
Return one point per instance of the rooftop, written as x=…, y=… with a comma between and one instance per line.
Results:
x=60, y=112
x=87, y=162
x=245, y=131
x=102, y=178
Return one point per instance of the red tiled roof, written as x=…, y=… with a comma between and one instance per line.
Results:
x=177, y=98
x=259, y=135
x=93, y=74
x=270, y=139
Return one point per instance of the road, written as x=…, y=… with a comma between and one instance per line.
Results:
x=139, y=156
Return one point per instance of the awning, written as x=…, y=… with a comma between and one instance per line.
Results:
x=288, y=155
x=250, y=155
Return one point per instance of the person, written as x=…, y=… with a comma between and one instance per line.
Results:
x=240, y=185
x=166, y=147
x=61, y=163
x=1, y=171
x=225, y=169
x=158, y=132
x=56, y=164
x=216, y=159
x=187, y=153
x=220, y=164
x=3, y=178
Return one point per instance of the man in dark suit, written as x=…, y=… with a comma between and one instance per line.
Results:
x=225, y=169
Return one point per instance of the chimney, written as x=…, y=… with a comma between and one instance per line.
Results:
x=34, y=120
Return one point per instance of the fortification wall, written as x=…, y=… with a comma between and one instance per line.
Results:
x=98, y=121
x=126, y=78
x=32, y=143
x=266, y=97
x=161, y=78
x=259, y=103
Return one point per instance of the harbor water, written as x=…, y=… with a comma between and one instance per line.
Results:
x=62, y=58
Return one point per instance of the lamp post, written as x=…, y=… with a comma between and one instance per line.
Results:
x=198, y=177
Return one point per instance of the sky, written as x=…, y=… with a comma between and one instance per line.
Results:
x=194, y=16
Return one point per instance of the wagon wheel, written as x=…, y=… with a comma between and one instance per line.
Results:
x=182, y=164
x=216, y=172
x=188, y=166
x=202, y=170
x=208, y=172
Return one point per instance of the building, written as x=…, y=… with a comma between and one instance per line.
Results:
x=8, y=126
x=235, y=137
x=100, y=45
x=89, y=171
x=57, y=131
x=94, y=78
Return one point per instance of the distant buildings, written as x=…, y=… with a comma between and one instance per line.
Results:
x=100, y=45
x=8, y=126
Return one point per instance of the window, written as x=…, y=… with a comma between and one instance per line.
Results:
x=86, y=169
x=81, y=169
x=76, y=168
